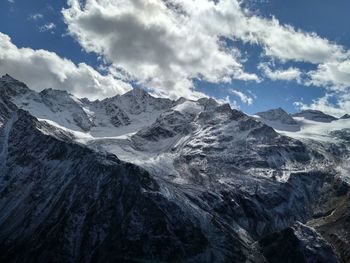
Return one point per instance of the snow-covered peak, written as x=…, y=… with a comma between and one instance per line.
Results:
x=136, y=108
x=208, y=103
x=180, y=101
x=138, y=101
x=189, y=107
x=278, y=115
x=344, y=117
x=55, y=93
x=7, y=77
x=137, y=93
x=11, y=87
x=315, y=115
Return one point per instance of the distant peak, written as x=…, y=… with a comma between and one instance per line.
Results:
x=315, y=115
x=51, y=91
x=180, y=100
x=278, y=114
x=346, y=116
x=12, y=85
x=318, y=112
x=280, y=109
x=7, y=77
x=137, y=92
x=313, y=111
x=208, y=103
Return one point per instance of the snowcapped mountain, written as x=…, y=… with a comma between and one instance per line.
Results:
x=344, y=117
x=136, y=178
x=315, y=115
x=135, y=108
x=279, y=120
x=277, y=115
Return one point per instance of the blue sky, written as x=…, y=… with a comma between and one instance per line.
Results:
x=40, y=25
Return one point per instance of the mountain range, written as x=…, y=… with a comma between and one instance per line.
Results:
x=135, y=178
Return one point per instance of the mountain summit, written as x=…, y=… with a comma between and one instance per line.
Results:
x=344, y=117
x=315, y=115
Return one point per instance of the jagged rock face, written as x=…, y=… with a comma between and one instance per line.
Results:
x=5, y=111
x=297, y=244
x=332, y=217
x=65, y=105
x=315, y=115
x=118, y=116
x=278, y=115
x=166, y=126
x=231, y=155
x=343, y=134
x=11, y=87
x=61, y=202
x=226, y=142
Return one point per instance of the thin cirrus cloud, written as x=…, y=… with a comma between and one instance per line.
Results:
x=167, y=44
x=36, y=16
x=51, y=71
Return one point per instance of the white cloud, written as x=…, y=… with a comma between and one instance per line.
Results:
x=332, y=75
x=36, y=16
x=11, y=1
x=339, y=108
x=286, y=43
x=47, y=27
x=226, y=100
x=279, y=41
x=161, y=44
x=289, y=74
x=166, y=44
x=41, y=69
x=243, y=97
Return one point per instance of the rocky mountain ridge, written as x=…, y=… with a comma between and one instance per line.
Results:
x=141, y=179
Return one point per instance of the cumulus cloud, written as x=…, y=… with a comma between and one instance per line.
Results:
x=332, y=75
x=335, y=78
x=41, y=69
x=286, y=43
x=227, y=100
x=166, y=44
x=325, y=104
x=289, y=74
x=279, y=41
x=243, y=97
x=161, y=44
